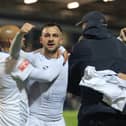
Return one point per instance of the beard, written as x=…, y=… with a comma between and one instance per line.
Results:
x=52, y=50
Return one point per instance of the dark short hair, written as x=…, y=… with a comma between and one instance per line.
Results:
x=51, y=25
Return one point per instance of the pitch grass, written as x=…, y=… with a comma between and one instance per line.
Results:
x=70, y=118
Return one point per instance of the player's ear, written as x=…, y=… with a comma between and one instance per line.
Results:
x=61, y=41
x=41, y=39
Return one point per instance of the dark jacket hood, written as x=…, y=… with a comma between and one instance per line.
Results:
x=96, y=25
x=96, y=31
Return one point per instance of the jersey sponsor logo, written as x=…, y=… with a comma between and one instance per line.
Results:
x=23, y=65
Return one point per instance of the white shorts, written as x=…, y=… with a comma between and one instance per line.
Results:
x=33, y=121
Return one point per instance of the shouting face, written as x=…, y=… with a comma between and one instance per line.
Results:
x=51, y=39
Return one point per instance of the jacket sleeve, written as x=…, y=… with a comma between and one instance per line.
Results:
x=77, y=63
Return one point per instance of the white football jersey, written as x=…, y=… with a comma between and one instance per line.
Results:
x=48, y=93
x=9, y=95
x=14, y=108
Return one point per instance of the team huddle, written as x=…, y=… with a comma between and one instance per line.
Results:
x=33, y=85
x=37, y=75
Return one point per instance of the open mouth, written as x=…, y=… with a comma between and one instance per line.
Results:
x=51, y=44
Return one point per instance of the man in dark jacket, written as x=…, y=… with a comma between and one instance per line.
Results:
x=98, y=48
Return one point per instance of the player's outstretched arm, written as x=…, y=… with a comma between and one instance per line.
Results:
x=16, y=42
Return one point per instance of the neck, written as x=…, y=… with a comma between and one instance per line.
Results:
x=50, y=54
x=4, y=50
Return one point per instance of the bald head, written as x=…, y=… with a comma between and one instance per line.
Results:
x=7, y=33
